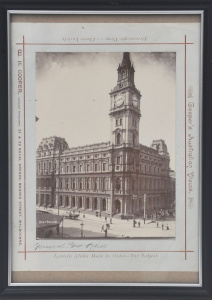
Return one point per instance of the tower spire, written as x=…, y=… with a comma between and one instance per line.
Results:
x=126, y=70
x=126, y=60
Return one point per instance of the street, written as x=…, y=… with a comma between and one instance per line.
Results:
x=94, y=227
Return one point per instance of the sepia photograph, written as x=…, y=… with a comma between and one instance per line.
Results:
x=105, y=138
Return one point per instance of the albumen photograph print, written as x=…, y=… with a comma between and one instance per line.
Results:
x=105, y=138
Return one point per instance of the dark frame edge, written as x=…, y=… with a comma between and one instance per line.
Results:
x=29, y=292
x=4, y=152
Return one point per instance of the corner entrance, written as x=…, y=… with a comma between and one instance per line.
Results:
x=117, y=206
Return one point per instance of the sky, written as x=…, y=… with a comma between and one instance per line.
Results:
x=73, y=101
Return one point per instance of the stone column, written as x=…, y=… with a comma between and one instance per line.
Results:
x=125, y=206
x=56, y=200
x=122, y=207
x=44, y=199
x=39, y=198
x=109, y=204
x=64, y=201
x=70, y=201
x=83, y=202
x=91, y=203
x=77, y=202
x=100, y=204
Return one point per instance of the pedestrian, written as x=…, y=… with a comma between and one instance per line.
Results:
x=106, y=232
x=162, y=226
x=100, y=215
x=157, y=224
x=106, y=218
x=139, y=224
x=84, y=215
x=102, y=228
x=167, y=227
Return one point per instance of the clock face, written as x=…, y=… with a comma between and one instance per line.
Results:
x=135, y=101
x=119, y=100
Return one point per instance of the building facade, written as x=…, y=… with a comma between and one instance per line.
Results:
x=111, y=176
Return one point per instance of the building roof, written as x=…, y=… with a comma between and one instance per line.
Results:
x=45, y=219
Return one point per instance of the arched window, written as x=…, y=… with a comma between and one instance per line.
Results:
x=80, y=202
x=118, y=139
x=61, y=201
x=103, y=184
x=80, y=184
x=73, y=201
x=67, y=169
x=74, y=184
x=87, y=184
x=133, y=139
x=118, y=184
x=95, y=184
x=61, y=184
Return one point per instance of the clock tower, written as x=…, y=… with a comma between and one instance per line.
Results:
x=125, y=106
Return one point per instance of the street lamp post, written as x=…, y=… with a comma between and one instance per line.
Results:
x=62, y=227
x=134, y=199
x=144, y=207
x=111, y=203
x=82, y=229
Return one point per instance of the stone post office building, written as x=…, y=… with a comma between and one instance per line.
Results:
x=119, y=171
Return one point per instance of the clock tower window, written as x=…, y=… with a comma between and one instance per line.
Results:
x=118, y=139
x=134, y=138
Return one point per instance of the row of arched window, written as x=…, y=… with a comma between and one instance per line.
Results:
x=85, y=183
x=104, y=183
x=73, y=168
x=149, y=169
